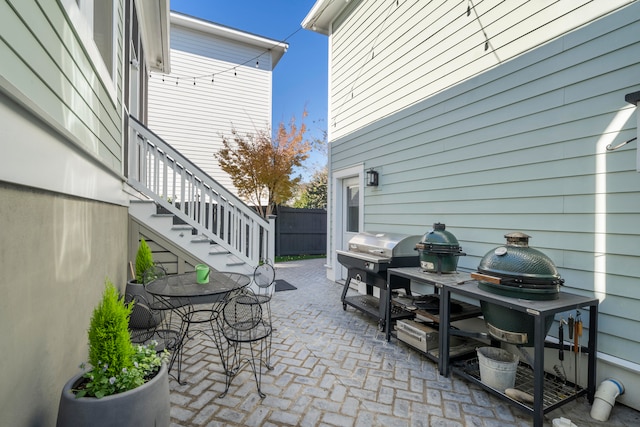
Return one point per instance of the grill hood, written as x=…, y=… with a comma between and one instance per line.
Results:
x=518, y=271
x=516, y=264
x=383, y=245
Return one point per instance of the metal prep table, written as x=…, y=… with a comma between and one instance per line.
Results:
x=539, y=310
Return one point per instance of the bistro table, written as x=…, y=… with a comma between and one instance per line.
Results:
x=195, y=303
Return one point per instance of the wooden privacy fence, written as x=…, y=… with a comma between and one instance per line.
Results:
x=301, y=231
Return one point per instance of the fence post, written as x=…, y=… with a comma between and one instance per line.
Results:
x=271, y=241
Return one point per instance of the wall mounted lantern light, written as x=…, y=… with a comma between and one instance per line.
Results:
x=372, y=178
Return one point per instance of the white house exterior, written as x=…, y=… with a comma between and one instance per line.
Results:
x=67, y=85
x=221, y=78
x=494, y=117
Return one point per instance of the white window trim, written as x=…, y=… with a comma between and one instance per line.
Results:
x=84, y=28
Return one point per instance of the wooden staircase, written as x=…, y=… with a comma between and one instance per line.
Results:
x=200, y=216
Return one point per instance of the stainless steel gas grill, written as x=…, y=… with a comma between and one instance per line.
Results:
x=367, y=260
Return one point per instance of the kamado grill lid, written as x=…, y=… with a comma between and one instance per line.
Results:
x=520, y=265
x=439, y=240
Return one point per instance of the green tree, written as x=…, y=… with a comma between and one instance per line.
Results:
x=261, y=166
x=314, y=193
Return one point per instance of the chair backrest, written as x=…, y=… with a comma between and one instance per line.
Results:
x=242, y=312
x=142, y=316
x=264, y=276
x=153, y=273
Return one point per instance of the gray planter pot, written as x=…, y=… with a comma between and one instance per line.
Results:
x=147, y=405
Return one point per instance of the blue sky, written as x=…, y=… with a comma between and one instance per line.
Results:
x=300, y=78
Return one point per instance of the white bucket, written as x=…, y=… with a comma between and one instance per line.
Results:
x=497, y=367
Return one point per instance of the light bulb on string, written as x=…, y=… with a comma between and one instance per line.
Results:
x=194, y=81
x=234, y=72
x=177, y=78
x=257, y=64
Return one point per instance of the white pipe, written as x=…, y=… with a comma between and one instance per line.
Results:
x=605, y=398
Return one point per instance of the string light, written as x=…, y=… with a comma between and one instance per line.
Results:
x=470, y=5
x=235, y=72
x=373, y=45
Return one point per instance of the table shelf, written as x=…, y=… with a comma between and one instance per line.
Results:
x=370, y=305
x=556, y=392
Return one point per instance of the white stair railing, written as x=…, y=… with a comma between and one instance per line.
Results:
x=160, y=172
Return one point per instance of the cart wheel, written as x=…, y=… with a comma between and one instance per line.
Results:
x=344, y=306
x=381, y=325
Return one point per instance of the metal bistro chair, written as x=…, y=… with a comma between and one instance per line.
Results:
x=247, y=338
x=261, y=292
x=264, y=282
x=148, y=321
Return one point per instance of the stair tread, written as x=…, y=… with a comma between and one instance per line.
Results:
x=188, y=238
x=181, y=227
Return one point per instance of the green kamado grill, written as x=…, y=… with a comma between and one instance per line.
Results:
x=439, y=250
x=518, y=271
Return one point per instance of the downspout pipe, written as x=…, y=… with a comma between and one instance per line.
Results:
x=605, y=398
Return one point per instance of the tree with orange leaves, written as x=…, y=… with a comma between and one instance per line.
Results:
x=261, y=166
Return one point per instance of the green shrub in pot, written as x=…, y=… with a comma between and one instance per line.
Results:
x=144, y=260
x=125, y=384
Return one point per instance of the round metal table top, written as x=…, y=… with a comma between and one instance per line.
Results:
x=186, y=285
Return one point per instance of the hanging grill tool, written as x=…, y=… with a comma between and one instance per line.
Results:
x=561, y=351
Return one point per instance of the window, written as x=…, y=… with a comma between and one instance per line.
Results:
x=94, y=20
x=103, y=31
x=353, y=208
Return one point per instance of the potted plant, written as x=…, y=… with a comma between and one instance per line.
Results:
x=135, y=289
x=125, y=384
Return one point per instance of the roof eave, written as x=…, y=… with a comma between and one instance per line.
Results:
x=276, y=47
x=154, y=23
x=322, y=14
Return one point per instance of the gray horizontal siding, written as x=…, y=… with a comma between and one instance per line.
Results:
x=43, y=60
x=388, y=55
x=521, y=147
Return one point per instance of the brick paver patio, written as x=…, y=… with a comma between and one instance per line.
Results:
x=334, y=368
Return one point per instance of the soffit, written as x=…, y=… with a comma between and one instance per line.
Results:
x=277, y=48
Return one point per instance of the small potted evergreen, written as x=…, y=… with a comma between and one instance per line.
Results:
x=144, y=260
x=125, y=384
x=135, y=288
